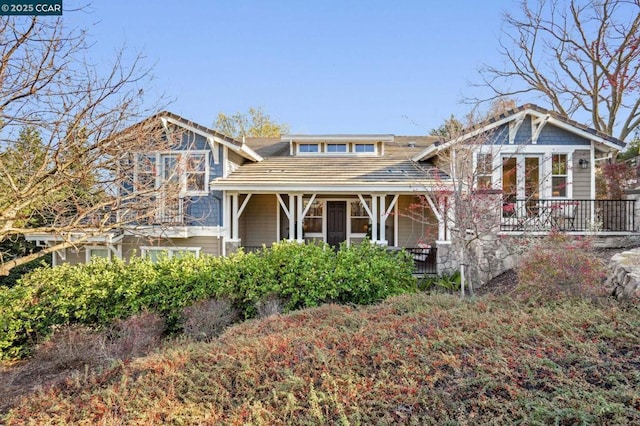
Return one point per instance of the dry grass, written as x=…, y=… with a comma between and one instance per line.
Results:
x=415, y=359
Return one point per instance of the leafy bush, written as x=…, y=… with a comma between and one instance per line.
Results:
x=560, y=267
x=445, y=283
x=102, y=291
x=367, y=273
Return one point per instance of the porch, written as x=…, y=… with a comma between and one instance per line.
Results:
x=425, y=259
x=569, y=215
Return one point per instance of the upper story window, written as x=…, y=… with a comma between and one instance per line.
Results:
x=336, y=147
x=559, y=175
x=308, y=147
x=365, y=147
x=330, y=148
x=188, y=171
x=484, y=171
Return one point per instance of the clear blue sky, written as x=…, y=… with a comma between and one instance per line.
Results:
x=397, y=67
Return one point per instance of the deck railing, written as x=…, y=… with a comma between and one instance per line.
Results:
x=424, y=259
x=581, y=215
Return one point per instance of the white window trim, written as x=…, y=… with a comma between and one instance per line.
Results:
x=491, y=174
x=298, y=152
x=350, y=149
x=144, y=250
x=183, y=155
x=87, y=250
x=322, y=218
x=569, y=176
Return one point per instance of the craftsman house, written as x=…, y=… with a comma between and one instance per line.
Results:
x=348, y=188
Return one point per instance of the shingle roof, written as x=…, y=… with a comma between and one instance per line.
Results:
x=394, y=169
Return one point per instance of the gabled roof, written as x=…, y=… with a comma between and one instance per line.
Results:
x=211, y=135
x=517, y=113
x=394, y=171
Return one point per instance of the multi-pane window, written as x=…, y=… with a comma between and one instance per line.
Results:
x=308, y=147
x=313, y=219
x=559, y=175
x=484, y=171
x=365, y=147
x=186, y=172
x=146, y=170
x=157, y=253
x=336, y=147
x=359, y=218
x=101, y=252
x=196, y=172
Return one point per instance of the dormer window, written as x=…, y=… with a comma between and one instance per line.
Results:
x=305, y=148
x=336, y=147
x=365, y=147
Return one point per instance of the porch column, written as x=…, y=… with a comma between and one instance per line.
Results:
x=383, y=220
x=300, y=216
x=374, y=218
x=385, y=211
x=235, y=229
x=292, y=219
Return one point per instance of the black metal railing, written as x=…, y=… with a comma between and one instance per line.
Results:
x=171, y=211
x=425, y=260
x=544, y=215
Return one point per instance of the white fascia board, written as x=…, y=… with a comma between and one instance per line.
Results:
x=175, y=231
x=107, y=238
x=243, y=150
x=426, y=154
x=338, y=138
x=531, y=149
x=333, y=189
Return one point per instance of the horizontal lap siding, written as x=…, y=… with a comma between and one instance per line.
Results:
x=258, y=223
x=410, y=231
x=209, y=245
x=581, y=177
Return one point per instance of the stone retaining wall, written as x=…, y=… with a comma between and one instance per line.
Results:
x=624, y=275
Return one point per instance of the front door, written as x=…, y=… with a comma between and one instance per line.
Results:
x=336, y=222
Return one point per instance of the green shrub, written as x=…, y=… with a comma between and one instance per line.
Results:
x=366, y=273
x=445, y=283
x=102, y=291
x=560, y=267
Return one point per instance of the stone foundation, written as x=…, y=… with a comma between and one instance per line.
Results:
x=232, y=246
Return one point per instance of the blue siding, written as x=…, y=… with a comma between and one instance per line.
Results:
x=205, y=210
x=550, y=135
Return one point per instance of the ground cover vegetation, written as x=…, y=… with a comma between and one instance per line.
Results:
x=565, y=355
x=414, y=359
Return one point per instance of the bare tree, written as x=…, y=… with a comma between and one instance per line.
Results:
x=66, y=160
x=580, y=57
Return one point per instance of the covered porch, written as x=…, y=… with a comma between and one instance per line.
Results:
x=259, y=219
x=606, y=217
